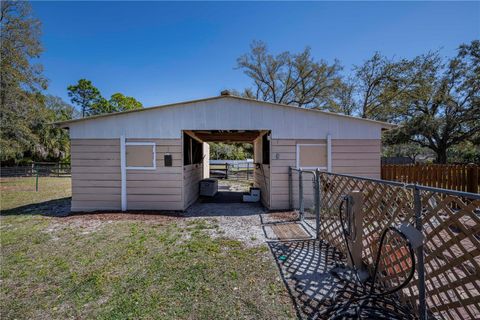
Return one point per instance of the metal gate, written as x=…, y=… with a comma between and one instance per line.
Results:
x=302, y=220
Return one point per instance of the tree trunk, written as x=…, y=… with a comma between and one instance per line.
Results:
x=442, y=155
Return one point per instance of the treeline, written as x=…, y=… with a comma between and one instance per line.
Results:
x=435, y=100
x=26, y=112
x=91, y=102
x=231, y=151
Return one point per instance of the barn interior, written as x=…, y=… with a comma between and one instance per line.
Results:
x=232, y=180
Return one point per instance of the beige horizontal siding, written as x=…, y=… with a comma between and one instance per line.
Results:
x=160, y=170
x=96, y=178
x=175, y=162
x=154, y=197
x=96, y=190
x=279, y=170
x=95, y=156
x=154, y=191
x=95, y=183
x=354, y=149
x=282, y=163
x=95, y=163
x=357, y=157
x=140, y=175
x=283, y=149
x=92, y=205
x=95, y=169
x=155, y=206
x=349, y=156
x=97, y=149
x=171, y=149
x=142, y=184
x=159, y=189
x=356, y=142
x=104, y=196
x=175, y=155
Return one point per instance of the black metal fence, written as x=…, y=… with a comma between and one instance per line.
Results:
x=40, y=169
x=235, y=171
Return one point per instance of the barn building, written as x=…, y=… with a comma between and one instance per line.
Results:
x=154, y=158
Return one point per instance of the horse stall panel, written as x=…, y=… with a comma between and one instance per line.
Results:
x=349, y=156
x=95, y=174
x=192, y=174
x=261, y=173
x=284, y=155
x=159, y=188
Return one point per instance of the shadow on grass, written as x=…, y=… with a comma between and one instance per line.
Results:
x=60, y=208
x=52, y=208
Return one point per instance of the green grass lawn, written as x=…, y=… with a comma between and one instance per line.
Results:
x=159, y=268
x=18, y=192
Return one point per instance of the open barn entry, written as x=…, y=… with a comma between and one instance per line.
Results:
x=229, y=182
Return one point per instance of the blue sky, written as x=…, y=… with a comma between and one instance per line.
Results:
x=161, y=52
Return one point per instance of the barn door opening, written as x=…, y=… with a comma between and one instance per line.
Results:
x=230, y=160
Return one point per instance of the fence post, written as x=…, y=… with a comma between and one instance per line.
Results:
x=300, y=193
x=472, y=178
x=247, y=170
x=422, y=308
x=290, y=189
x=317, y=202
x=36, y=181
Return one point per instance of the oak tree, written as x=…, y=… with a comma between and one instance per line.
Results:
x=286, y=78
x=443, y=109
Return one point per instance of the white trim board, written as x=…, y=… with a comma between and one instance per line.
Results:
x=123, y=171
x=124, y=168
